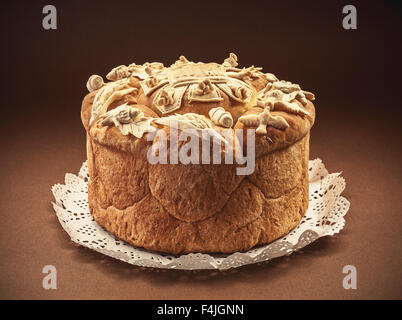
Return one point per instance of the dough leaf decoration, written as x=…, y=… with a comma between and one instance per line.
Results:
x=109, y=93
x=129, y=120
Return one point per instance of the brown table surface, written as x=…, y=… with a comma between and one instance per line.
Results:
x=353, y=73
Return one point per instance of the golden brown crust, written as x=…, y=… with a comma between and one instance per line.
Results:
x=259, y=82
x=86, y=109
x=197, y=208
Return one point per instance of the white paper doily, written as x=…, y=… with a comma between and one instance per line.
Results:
x=324, y=217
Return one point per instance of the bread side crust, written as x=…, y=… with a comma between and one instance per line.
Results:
x=197, y=208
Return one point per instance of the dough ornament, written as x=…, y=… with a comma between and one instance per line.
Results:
x=221, y=117
x=95, y=82
x=262, y=120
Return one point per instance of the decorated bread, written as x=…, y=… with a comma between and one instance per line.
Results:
x=150, y=189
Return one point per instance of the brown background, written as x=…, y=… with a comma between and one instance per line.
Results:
x=355, y=75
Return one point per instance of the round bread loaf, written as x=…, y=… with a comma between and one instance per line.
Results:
x=196, y=207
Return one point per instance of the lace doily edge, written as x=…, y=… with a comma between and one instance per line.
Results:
x=206, y=261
